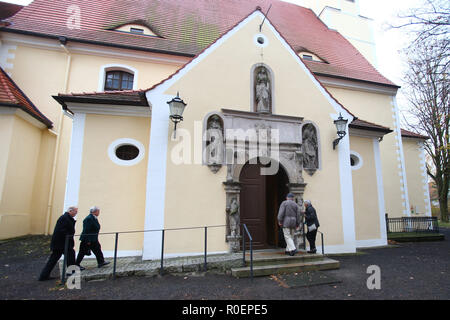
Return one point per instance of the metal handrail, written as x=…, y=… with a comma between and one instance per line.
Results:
x=321, y=240
x=244, y=227
x=163, y=231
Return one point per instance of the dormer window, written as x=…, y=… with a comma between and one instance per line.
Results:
x=137, y=30
x=118, y=80
x=309, y=56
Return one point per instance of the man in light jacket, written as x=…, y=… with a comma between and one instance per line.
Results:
x=289, y=219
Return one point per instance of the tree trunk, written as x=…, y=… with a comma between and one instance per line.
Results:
x=443, y=206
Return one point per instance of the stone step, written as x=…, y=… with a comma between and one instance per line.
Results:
x=265, y=270
x=261, y=259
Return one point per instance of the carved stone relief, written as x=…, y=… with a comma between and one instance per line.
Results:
x=310, y=149
x=214, y=147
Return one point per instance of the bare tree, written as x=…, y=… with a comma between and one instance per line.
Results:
x=427, y=88
x=430, y=20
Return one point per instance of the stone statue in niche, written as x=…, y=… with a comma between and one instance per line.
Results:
x=234, y=218
x=263, y=94
x=214, y=143
x=310, y=149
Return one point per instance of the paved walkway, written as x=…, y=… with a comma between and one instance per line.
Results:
x=408, y=271
x=135, y=266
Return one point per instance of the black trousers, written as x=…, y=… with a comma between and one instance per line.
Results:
x=53, y=260
x=95, y=247
x=311, y=236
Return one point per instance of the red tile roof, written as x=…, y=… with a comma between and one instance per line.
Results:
x=366, y=125
x=125, y=97
x=12, y=96
x=410, y=134
x=187, y=27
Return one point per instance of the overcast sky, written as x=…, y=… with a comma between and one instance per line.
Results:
x=389, y=42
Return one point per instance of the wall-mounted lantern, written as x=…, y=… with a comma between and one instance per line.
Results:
x=176, y=106
x=341, y=125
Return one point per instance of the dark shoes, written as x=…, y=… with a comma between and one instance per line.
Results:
x=312, y=251
x=82, y=268
x=103, y=264
x=291, y=253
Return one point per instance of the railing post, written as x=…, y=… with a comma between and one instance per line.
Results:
x=251, y=259
x=115, y=255
x=162, y=254
x=206, y=247
x=243, y=244
x=387, y=222
x=66, y=250
x=323, y=250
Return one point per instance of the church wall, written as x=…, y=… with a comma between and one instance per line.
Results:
x=418, y=193
x=19, y=175
x=379, y=109
x=365, y=189
x=194, y=195
x=39, y=68
x=118, y=190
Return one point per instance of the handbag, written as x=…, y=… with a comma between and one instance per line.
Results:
x=312, y=227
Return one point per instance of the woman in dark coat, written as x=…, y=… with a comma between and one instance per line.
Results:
x=310, y=220
x=65, y=227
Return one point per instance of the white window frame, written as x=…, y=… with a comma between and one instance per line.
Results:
x=360, y=160
x=125, y=141
x=116, y=67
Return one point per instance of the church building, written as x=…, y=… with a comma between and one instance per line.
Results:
x=179, y=115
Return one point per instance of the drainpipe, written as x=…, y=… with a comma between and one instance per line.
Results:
x=63, y=42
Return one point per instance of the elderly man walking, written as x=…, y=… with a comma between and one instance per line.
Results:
x=289, y=219
x=89, y=239
x=64, y=228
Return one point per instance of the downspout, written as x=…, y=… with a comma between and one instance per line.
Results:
x=63, y=42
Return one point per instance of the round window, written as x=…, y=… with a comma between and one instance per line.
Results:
x=126, y=152
x=260, y=40
x=355, y=160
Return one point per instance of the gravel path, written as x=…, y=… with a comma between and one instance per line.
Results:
x=408, y=271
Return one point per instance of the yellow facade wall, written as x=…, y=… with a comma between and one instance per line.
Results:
x=365, y=191
x=416, y=176
x=377, y=108
x=119, y=191
x=194, y=195
x=41, y=187
x=16, y=207
x=40, y=81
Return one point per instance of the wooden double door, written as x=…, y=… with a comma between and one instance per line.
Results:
x=260, y=199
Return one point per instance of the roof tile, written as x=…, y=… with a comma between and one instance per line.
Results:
x=187, y=27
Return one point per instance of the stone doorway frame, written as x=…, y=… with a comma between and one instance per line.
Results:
x=233, y=189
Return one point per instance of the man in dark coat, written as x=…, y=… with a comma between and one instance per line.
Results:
x=89, y=238
x=65, y=227
x=310, y=220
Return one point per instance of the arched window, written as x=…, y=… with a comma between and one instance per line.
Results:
x=118, y=80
